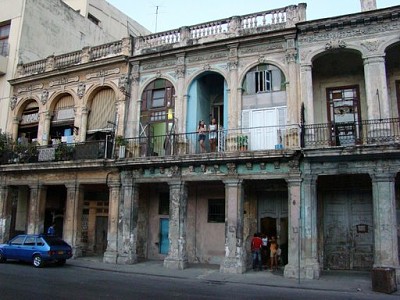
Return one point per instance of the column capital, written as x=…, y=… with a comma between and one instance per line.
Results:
x=233, y=182
x=374, y=59
x=383, y=176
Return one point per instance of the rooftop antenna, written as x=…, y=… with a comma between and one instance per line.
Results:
x=156, y=18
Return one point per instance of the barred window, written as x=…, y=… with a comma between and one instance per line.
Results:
x=216, y=210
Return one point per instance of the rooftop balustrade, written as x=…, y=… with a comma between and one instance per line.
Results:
x=88, y=54
x=264, y=21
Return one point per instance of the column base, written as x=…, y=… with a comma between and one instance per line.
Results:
x=175, y=264
x=232, y=265
x=127, y=259
x=309, y=271
x=110, y=257
x=77, y=251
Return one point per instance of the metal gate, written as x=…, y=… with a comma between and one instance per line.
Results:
x=348, y=230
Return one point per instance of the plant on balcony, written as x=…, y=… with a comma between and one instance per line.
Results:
x=242, y=142
x=64, y=152
x=25, y=153
x=120, y=141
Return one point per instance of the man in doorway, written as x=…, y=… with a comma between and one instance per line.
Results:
x=256, y=244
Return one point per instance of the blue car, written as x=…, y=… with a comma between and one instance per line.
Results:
x=37, y=249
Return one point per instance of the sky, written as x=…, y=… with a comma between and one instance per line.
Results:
x=174, y=14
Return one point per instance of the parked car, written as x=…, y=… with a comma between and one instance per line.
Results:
x=37, y=249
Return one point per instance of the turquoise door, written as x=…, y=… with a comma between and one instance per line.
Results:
x=164, y=242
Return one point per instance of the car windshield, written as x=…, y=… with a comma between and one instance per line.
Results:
x=52, y=241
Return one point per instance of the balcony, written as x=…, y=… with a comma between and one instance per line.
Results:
x=369, y=132
x=268, y=141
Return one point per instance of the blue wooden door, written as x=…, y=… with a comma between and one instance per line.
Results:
x=164, y=241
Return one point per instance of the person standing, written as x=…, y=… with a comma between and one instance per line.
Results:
x=201, y=131
x=273, y=247
x=256, y=244
x=52, y=230
x=265, y=250
x=213, y=128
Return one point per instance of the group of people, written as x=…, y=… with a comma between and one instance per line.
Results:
x=262, y=249
x=212, y=135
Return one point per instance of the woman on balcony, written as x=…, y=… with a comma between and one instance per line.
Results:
x=201, y=130
x=213, y=134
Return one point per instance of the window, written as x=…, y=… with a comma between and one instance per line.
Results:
x=264, y=78
x=263, y=81
x=4, y=33
x=18, y=240
x=163, y=204
x=157, y=99
x=93, y=19
x=216, y=210
x=30, y=241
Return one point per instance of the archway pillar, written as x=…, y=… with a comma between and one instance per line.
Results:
x=177, y=254
x=73, y=217
x=309, y=266
x=5, y=213
x=235, y=256
x=385, y=229
x=37, y=206
x=128, y=229
x=292, y=269
x=111, y=254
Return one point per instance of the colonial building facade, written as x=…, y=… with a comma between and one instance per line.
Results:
x=305, y=147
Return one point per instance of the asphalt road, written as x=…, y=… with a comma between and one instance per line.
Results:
x=23, y=281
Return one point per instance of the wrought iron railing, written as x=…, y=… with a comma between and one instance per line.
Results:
x=351, y=133
x=30, y=153
x=223, y=140
x=267, y=138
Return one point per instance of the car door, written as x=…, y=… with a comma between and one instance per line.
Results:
x=12, y=250
x=28, y=248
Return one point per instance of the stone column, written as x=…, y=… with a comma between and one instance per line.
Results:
x=234, y=260
x=37, y=205
x=376, y=87
x=73, y=217
x=385, y=230
x=128, y=230
x=177, y=254
x=15, y=125
x=306, y=91
x=234, y=101
x=84, y=124
x=5, y=213
x=292, y=269
x=111, y=254
x=310, y=267
x=46, y=129
x=134, y=104
x=180, y=99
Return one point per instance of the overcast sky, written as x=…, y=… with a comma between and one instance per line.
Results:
x=177, y=13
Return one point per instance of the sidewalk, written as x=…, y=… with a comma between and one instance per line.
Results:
x=345, y=281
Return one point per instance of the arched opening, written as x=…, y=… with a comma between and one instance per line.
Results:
x=157, y=119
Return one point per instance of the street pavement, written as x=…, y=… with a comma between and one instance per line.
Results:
x=344, y=281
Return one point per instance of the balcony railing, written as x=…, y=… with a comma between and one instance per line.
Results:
x=269, y=139
x=31, y=153
x=232, y=140
x=352, y=133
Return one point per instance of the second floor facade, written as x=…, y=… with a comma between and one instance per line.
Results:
x=270, y=84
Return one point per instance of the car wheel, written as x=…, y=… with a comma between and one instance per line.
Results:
x=2, y=258
x=37, y=261
x=61, y=262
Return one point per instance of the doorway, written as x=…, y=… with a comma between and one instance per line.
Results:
x=344, y=115
x=101, y=235
x=164, y=241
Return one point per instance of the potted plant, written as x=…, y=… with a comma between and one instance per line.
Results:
x=121, y=143
x=243, y=142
